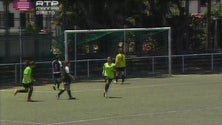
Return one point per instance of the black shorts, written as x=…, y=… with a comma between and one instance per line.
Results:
x=120, y=69
x=67, y=81
x=57, y=75
x=107, y=78
x=27, y=85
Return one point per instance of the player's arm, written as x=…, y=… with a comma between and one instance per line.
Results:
x=103, y=72
x=68, y=73
x=117, y=61
x=53, y=66
x=71, y=76
x=32, y=75
x=114, y=67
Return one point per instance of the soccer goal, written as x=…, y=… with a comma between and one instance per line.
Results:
x=100, y=43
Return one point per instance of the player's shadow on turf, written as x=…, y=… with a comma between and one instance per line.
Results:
x=35, y=101
x=125, y=83
x=114, y=97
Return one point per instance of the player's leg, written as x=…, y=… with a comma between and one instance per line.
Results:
x=60, y=93
x=69, y=91
x=62, y=90
x=117, y=74
x=123, y=75
x=105, y=78
x=58, y=80
x=107, y=85
x=30, y=93
x=57, y=83
x=54, y=81
x=25, y=90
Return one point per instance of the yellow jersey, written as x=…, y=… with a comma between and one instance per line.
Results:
x=120, y=60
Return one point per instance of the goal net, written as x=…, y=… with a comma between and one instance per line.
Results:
x=100, y=43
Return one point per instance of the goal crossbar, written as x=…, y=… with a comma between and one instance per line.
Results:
x=126, y=29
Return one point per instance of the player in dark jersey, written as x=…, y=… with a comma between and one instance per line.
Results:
x=67, y=79
x=57, y=72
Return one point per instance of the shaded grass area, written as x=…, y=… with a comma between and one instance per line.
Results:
x=176, y=100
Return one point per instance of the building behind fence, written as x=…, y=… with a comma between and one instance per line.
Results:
x=27, y=45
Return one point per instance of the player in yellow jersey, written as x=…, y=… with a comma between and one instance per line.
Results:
x=120, y=63
x=109, y=73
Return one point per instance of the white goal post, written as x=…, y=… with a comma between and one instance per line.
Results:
x=66, y=32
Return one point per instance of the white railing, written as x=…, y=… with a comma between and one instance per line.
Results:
x=136, y=67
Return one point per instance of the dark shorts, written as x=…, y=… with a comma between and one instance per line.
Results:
x=109, y=80
x=120, y=69
x=67, y=81
x=27, y=85
x=57, y=75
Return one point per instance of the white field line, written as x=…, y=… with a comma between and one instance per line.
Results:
x=117, y=117
x=136, y=115
x=21, y=122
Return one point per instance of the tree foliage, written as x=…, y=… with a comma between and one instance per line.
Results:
x=117, y=13
x=93, y=14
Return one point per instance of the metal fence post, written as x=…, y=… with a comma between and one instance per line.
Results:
x=16, y=76
x=88, y=68
x=212, y=62
x=183, y=64
x=153, y=65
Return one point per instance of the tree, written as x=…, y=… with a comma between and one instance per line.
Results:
x=92, y=14
x=112, y=13
x=217, y=17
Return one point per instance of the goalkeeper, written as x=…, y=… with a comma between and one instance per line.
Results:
x=120, y=63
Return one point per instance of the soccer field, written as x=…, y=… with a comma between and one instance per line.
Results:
x=176, y=100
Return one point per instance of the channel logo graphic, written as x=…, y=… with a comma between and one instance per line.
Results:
x=23, y=5
x=44, y=7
